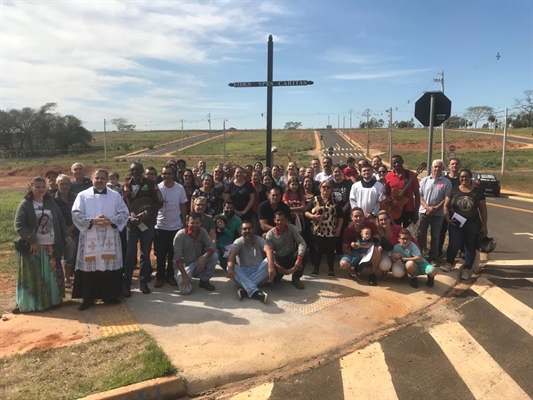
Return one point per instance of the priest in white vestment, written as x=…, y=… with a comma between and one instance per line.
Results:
x=100, y=214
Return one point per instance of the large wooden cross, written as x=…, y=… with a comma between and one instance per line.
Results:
x=269, y=84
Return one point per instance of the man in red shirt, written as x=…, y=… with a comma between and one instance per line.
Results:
x=350, y=235
x=395, y=181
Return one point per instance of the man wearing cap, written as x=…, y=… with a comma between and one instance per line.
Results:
x=143, y=199
x=51, y=177
x=79, y=181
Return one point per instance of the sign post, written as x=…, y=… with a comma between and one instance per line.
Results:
x=432, y=109
x=269, y=84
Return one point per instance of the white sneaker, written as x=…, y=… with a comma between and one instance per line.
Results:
x=466, y=274
x=446, y=267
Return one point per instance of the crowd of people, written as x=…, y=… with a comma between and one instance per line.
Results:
x=257, y=223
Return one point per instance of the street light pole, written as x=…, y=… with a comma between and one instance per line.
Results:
x=504, y=141
x=367, y=115
x=105, y=141
x=182, y=134
x=224, y=135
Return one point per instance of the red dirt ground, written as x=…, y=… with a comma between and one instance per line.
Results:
x=482, y=144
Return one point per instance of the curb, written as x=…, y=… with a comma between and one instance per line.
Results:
x=159, y=388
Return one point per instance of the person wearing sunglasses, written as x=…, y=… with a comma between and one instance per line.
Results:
x=326, y=218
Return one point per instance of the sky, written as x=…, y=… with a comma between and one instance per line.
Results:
x=157, y=63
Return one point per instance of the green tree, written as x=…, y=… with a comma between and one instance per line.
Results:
x=122, y=125
x=477, y=113
x=292, y=125
x=526, y=104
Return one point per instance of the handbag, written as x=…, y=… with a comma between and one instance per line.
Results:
x=22, y=245
x=386, y=245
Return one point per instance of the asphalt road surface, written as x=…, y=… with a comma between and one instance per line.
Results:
x=175, y=146
x=513, y=138
x=478, y=346
x=341, y=148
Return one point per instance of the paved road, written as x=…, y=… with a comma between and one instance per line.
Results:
x=478, y=346
x=511, y=138
x=341, y=148
x=173, y=147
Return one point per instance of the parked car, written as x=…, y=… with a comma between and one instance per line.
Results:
x=489, y=183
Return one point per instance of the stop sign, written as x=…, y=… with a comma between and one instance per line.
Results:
x=441, y=111
x=452, y=148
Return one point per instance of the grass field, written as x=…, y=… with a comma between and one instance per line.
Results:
x=9, y=201
x=527, y=132
x=77, y=371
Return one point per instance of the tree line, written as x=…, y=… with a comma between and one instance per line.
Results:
x=39, y=131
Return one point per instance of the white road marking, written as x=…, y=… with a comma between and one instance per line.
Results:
x=524, y=234
x=513, y=309
x=502, y=263
x=483, y=376
x=262, y=392
x=361, y=368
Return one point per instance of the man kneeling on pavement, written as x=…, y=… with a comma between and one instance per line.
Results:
x=195, y=255
x=283, y=239
x=251, y=263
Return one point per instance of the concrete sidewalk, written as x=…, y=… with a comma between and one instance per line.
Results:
x=214, y=339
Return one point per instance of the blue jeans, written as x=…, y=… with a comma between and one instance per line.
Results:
x=436, y=224
x=133, y=235
x=205, y=275
x=250, y=278
x=465, y=236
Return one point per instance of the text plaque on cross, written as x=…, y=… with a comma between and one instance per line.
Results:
x=270, y=83
x=266, y=83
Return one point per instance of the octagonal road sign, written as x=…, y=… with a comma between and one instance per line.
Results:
x=441, y=112
x=452, y=148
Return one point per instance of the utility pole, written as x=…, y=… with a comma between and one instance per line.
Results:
x=328, y=120
x=351, y=123
x=443, y=126
x=367, y=115
x=182, y=134
x=224, y=134
x=105, y=141
x=338, y=122
x=209, y=120
x=504, y=140
x=344, y=122
x=390, y=136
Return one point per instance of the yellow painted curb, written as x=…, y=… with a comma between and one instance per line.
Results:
x=159, y=388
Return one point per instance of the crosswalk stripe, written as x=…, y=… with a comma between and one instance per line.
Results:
x=513, y=309
x=262, y=392
x=362, y=367
x=483, y=376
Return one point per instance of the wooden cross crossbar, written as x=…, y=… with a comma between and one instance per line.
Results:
x=269, y=84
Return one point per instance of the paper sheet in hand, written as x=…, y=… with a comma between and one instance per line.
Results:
x=227, y=250
x=458, y=219
x=367, y=257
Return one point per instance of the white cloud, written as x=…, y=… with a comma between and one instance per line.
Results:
x=379, y=75
x=137, y=59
